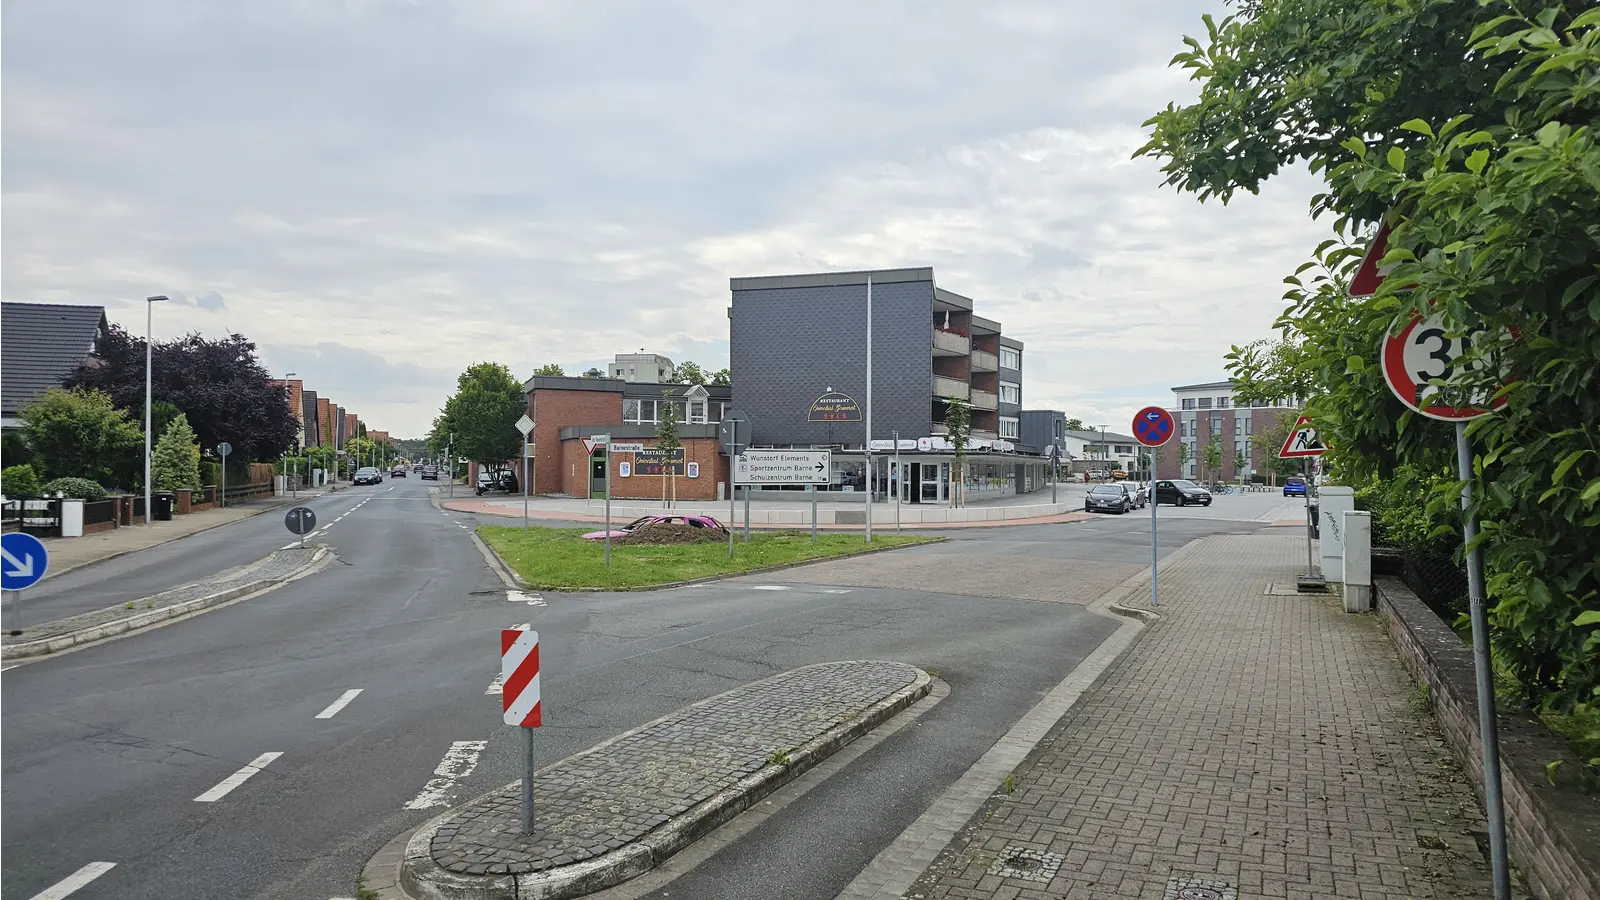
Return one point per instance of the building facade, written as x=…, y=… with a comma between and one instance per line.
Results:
x=1042, y=429
x=1206, y=413
x=43, y=344
x=642, y=367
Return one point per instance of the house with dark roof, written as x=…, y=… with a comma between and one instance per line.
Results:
x=40, y=345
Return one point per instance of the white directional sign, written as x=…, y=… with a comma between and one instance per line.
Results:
x=782, y=467
x=627, y=447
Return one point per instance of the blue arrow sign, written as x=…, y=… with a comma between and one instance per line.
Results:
x=23, y=561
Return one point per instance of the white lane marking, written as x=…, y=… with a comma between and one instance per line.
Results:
x=520, y=597
x=9, y=668
x=76, y=880
x=458, y=763
x=284, y=547
x=836, y=590
x=496, y=687
x=341, y=703
x=237, y=778
x=769, y=587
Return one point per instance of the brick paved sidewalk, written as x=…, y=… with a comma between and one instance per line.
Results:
x=1248, y=746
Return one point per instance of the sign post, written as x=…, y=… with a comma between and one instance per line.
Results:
x=300, y=521
x=896, y=481
x=734, y=430
x=602, y=442
x=23, y=561
x=223, y=449
x=519, y=679
x=525, y=425
x=1304, y=442
x=1152, y=427
x=807, y=467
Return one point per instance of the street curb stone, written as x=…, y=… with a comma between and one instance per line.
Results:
x=422, y=877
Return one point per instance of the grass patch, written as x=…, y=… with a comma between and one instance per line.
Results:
x=560, y=559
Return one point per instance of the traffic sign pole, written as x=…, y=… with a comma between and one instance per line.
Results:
x=1152, y=427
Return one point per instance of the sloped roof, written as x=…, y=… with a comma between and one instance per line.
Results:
x=40, y=344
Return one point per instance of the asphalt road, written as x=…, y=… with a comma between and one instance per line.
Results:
x=106, y=750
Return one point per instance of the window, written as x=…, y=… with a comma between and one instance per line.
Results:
x=1247, y=425
x=697, y=412
x=1010, y=358
x=639, y=412
x=1126, y=449
x=1205, y=402
x=1008, y=427
x=1222, y=402
x=1188, y=403
x=1010, y=392
x=1238, y=427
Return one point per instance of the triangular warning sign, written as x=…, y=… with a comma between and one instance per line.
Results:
x=1302, y=441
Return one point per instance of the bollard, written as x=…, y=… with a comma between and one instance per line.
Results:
x=1333, y=501
x=1357, y=562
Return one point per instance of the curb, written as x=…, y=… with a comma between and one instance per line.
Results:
x=590, y=519
x=667, y=585
x=421, y=878
x=29, y=649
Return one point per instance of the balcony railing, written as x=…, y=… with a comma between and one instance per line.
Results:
x=950, y=343
x=950, y=387
x=984, y=400
x=984, y=361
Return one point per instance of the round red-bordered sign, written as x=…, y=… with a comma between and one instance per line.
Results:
x=1153, y=426
x=1423, y=351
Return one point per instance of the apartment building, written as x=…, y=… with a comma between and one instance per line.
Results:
x=652, y=368
x=1207, y=411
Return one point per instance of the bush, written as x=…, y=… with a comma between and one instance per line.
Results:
x=19, y=481
x=76, y=488
x=175, y=464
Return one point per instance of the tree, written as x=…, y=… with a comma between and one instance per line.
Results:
x=1238, y=464
x=667, y=439
x=219, y=385
x=1268, y=441
x=722, y=377
x=1211, y=458
x=689, y=372
x=483, y=414
x=958, y=431
x=1468, y=130
x=175, y=461
x=81, y=434
x=1184, y=455
x=1076, y=424
x=549, y=369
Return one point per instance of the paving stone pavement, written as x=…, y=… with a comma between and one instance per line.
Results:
x=1248, y=746
x=969, y=574
x=613, y=794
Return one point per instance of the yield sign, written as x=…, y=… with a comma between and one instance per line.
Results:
x=599, y=440
x=1302, y=441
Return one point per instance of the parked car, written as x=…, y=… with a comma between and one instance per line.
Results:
x=503, y=480
x=1294, y=486
x=397, y=472
x=1119, y=474
x=1108, y=498
x=678, y=519
x=1181, y=492
x=429, y=473
x=367, y=475
x=1139, y=491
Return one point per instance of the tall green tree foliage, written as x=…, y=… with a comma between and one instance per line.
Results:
x=1469, y=128
x=958, y=430
x=175, y=461
x=483, y=414
x=82, y=434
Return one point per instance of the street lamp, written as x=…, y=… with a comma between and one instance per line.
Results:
x=149, y=306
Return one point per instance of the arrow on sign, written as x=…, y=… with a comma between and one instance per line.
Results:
x=20, y=568
x=820, y=467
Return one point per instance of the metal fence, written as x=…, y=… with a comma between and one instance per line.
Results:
x=99, y=512
x=37, y=515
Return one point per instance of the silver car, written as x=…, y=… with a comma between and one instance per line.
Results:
x=1139, y=491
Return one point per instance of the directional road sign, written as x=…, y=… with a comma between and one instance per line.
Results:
x=300, y=520
x=599, y=440
x=1302, y=441
x=524, y=424
x=23, y=561
x=1153, y=426
x=783, y=467
x=627, y=447
x=1420, y=360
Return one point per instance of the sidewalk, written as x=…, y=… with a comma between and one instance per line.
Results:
x=67, y=554
x=1249, y=745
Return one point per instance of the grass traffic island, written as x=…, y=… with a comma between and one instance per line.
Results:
x=557, y=559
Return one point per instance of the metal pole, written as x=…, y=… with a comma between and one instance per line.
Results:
x=608, y=506
x=1311, y=566
x=897, y=482
x=747, y=514
x=149, y=314
x=527, y=780
x=1488, y=727
x=16, y=612
x=812, y=490
x=450, y=454
x=1154, y=596
x=733, y=494
x=525, y=496
x=222, y=493
x=868, y=446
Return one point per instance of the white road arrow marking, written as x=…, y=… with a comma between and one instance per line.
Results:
x=20, y=568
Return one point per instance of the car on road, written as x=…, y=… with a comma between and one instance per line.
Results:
x=1294, y=486
x=429, y=473
x=1181, y=492
x=658, y=518
x=503, y=480
x=367, y=475
x=397, y=472
x=1108, y=498
x=1139, y=491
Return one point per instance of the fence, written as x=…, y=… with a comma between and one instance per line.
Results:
x=99, y=515
x=37, y=515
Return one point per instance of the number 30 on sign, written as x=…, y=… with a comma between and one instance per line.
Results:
x=1424, y=351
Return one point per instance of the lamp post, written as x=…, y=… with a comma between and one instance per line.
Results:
x=149, y=306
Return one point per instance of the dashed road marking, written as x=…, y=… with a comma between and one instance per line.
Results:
x=240, y=777
x=458, y=763
x=341, y=703
x=836, y=590
x=78, y=879
x=769, y=587
x=520, y=597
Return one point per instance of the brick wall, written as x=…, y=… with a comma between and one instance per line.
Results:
x=1554, y=830
x=713, y=468
x=555, y=469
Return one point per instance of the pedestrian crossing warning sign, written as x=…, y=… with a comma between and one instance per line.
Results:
x=1302, y=441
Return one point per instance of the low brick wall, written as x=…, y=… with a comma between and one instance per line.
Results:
x=1554, y=831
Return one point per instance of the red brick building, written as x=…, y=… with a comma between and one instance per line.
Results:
x=1207, y=411
x=296, y=394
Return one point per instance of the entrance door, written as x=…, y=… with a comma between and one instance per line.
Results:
x=933, y=482
x=597, y=473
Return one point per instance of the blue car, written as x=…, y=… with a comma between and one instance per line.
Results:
x=1294, y=486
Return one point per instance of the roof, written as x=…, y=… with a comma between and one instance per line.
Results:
x=1208, y=386
x=826, y=279
x=40, y=345
x=1094, y=436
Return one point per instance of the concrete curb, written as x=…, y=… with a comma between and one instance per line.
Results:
x=421, y=878
x=29, y=649
x=524, y=585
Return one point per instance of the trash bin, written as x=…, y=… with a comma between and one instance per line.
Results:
x=163, y=503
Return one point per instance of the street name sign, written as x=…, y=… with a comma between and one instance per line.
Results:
x=1302, y=441
x=626, y=447
x=23, y=561
x=590, y=443
x=783, y=467
x=1153, y=426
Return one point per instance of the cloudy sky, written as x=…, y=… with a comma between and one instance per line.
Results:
x=381, y=192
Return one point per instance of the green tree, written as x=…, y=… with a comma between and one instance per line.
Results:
x=1238, y=464
x=1211, y=458
x=958, y=431
x=667, y=427
x=1268, y=441
x=1076, y=424
x=483, y=413
x=175, y=461
x=19, y=481
x=1467, y=128
x=550, y=369
x=81, y=434
x=1184, y=455
x=689, y=372
x=722, y=377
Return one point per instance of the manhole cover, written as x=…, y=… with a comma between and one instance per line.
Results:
x=1027, y=864
x=1199, y=889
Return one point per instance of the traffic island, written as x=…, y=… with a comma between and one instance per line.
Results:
x=619, y=809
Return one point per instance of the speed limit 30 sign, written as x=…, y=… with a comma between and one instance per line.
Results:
x=1422, y=355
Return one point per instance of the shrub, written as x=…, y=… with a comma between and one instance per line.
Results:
x=19, y=481
x=175, y=463
x=77, y=488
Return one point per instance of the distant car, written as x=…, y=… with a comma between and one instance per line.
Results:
x=1294, y=486
x=1108, y=498
x=368, y=475
x=1119, y=475
x=397, y=472
x=1139, y=491
x=429, y=473
x=1181, y=492
x=504, y=480
x=622, y=531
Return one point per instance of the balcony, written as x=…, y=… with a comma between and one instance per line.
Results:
x=950, y=343
x=983, y=434
x=984, y=400
x=984, y=361
x=950, y=387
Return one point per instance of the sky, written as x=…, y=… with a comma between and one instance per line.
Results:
x=381, y=193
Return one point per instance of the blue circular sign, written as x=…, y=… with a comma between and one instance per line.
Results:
x=1153, y=426
x=23, y=561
